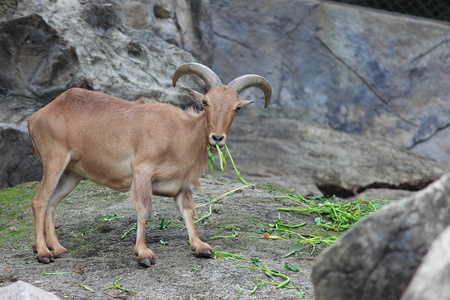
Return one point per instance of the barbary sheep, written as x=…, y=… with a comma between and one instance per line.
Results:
x=145, y=148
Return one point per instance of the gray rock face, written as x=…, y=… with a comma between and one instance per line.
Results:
x=431, y=279
x=17, y=162
x=7, y=7
x=324, y=70
x=102, y=52
x=184, y=23
x=37, y=64
x=356, y=70
x=386, y=249
x=318, y=160
x=25, y=291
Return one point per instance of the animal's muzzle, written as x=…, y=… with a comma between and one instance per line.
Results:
x=217, y=139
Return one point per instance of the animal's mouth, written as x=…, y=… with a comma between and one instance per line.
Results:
x=213, y=145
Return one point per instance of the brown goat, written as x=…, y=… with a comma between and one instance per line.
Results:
x=146, y=148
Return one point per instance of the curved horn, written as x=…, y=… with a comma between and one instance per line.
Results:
x=206, y=74
x=241, y=83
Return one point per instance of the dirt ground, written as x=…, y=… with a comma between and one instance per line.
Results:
x=100, y=257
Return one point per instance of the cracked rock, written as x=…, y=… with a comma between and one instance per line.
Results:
x=320, y=160
x=377, y=258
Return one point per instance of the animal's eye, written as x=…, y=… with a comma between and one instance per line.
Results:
x=237, y=109
x=205, y=103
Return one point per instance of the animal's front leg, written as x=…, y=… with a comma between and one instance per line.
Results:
x=141, y=193
x=186, y=206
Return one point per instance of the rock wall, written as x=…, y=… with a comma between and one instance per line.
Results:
x=357, y=70
x=184, y=23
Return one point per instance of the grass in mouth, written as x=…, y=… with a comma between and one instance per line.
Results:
x=223, y=161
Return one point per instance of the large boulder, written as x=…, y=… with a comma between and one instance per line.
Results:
x=319, y=160
x=357, y=70
x=431, y=279
x=25, y=291
x=377, y=258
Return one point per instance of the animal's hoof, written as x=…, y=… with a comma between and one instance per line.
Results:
x=146, y=262
x=207, y=253
x=45, y=259
x=63, y=255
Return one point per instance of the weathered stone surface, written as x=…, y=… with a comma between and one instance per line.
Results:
x=7, y=7
x=110, y=56
x=25, y=291
x=36, y=62
x=353, y=69
x=17, y=163
x=123, y=62
x=313, y=159
x=378, y=257
x=184, y=23
x=36, y=65
x=431, y=279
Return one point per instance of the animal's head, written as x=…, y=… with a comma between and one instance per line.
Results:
x=221, y=102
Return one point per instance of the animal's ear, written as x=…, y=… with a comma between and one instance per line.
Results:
x=244, y=103
x=198, y=97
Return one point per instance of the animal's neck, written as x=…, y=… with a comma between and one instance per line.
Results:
x=199, y=144
x=200, y=129
x=203, y=133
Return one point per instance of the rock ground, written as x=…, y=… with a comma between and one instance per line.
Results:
x=101, y=257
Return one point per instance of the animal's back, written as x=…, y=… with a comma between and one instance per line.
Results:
x=94, y=129
x=77, y=104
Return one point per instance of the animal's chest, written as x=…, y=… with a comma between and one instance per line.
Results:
x=167, y=188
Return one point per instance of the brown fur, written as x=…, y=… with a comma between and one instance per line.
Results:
x=148, y=148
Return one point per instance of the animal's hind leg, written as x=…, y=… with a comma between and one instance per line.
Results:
x=66, y=184
x=54, y=167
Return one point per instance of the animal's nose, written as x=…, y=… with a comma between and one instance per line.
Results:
x=217, y=138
